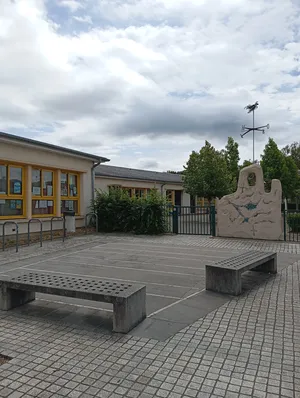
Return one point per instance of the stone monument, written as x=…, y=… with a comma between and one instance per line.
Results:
x=251, y=212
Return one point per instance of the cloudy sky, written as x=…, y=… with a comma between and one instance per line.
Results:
x=145, y=82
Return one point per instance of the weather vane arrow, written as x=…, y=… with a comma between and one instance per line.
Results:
x=245, y=130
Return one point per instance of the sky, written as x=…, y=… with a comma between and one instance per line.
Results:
x=145, y=82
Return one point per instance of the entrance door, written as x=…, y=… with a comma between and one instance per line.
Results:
x=178, y=195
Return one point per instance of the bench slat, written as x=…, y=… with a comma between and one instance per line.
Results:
x=82, y=286
x=243, y=260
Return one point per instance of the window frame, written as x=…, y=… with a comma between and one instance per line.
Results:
x=170, y=197
x=132, y=190
x=70, y=198
x=9, y=196
x=43, y=197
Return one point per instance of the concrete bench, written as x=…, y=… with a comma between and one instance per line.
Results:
x=129, y=300
x=225, y=276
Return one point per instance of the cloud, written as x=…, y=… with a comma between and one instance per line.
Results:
x=85, y=19
x=72, y=5
x=142, y=76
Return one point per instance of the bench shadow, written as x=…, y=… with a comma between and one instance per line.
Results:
x=252, y=279
x=68, y=314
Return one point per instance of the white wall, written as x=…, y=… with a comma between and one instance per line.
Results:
x=102, y=183
x=34, y=156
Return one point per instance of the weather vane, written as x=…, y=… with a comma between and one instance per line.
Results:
x=251, y=108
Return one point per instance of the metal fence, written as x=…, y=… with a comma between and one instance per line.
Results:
x=40, y=231
x=291, y=225
x=194, y=220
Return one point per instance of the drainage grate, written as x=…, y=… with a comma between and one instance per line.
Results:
x=4, y=359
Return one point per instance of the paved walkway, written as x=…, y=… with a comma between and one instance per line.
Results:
x=249, y=347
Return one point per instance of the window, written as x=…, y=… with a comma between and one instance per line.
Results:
x=112, y=188
x=133, y=192
x=11, y=191
x=140, y=192
x=42, y=189
x=69, y=186
x=170, y=196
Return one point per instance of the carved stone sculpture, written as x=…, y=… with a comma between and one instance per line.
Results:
x=251, y=212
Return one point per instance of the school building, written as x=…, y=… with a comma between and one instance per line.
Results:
x=138, y=182
x=40, y=180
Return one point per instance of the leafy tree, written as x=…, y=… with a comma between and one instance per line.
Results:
x=232, y=158
x=293, y=150
x=174, y=172
x=206, y=174
x=276, y=165
x=246, y=163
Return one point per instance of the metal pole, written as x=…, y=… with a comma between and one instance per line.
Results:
x=3, y=237
x=253, y=140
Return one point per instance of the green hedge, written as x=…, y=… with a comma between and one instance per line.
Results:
x=117, y=212
x=293, y=220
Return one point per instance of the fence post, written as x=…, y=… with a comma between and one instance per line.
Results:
x=284, y=225
x=41, y=230
x=64, y=227
x=175, y=220
x=17, y=234
x=213, y=220
x=95, y=215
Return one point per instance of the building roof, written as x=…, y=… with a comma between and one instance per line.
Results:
x=52, y=147
x=136, y=174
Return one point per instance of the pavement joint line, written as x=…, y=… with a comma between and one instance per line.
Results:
x=133, y=269
x=147, y=262
x=184, y=247
x=140, y=253
x=176, y=302
x=113, y=279
x=74, y=305
x=43, y=261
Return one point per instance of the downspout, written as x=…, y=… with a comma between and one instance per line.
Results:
x=93, y=179
x=162, y=188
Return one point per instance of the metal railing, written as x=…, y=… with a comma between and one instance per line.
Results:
x=3, y=234
x=64, y=226
x=92, y=215
x=32, y=220
x=41, y=230
x=291, y=225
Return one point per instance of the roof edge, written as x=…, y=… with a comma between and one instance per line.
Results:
x=57, y=148
x=137, y=179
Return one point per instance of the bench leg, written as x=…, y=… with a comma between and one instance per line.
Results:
x=223, y=280
x=129, y=312
x=11, y=298
x=268, y=267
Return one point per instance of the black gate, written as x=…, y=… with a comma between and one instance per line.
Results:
x=291, y=223
x=194, y=220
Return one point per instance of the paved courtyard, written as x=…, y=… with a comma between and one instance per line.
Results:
x=193, y=343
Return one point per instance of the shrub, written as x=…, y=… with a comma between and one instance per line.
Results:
x=293, y=220
x=117, y=212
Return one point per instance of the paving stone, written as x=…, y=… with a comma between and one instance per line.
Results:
x=246, y=347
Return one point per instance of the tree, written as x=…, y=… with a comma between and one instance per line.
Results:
x=246, y=163
x=293, y=150
x=232, y=158
x=276, y=165
x=206, y=174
